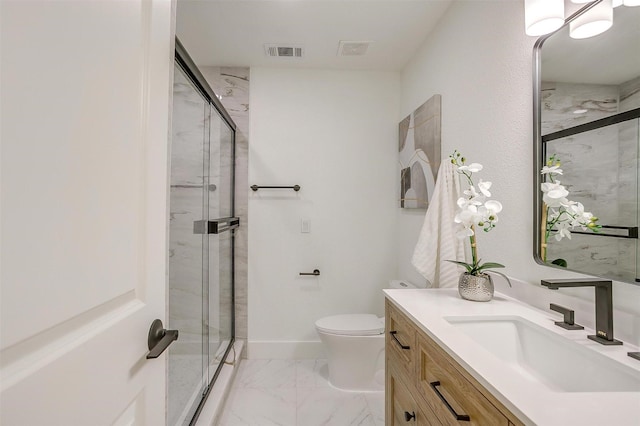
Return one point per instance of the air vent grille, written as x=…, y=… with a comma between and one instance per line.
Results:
x=283, y=51
x=353, y=48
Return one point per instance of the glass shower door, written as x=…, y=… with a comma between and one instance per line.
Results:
x=187, y=250
x=221, y=211
x=201, y=242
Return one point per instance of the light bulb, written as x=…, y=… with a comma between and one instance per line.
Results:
x=543, y=16
x=595, y=21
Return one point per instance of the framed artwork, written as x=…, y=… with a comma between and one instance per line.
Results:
x=419, y=147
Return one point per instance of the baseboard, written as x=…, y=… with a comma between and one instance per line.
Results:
x=285, y=350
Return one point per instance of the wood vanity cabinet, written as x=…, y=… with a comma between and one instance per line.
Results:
x=425, y=386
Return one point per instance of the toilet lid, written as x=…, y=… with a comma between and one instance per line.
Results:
x=352, y=325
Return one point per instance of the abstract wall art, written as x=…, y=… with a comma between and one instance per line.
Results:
x=419, y=148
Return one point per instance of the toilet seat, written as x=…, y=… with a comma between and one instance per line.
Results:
x=351, y=325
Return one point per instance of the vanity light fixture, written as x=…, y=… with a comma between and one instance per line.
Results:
x=543, y=16
x=595, y=21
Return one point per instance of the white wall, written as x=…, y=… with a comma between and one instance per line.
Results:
x=479, y=59
x=334, y=133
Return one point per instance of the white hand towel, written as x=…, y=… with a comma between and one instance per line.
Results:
x=438, y=242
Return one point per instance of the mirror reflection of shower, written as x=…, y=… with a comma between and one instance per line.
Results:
x=589, y=119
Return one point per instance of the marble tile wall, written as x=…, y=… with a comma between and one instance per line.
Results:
x=600, y=171
x=232, y=84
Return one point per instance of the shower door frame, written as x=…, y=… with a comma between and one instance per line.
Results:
x=188, y=66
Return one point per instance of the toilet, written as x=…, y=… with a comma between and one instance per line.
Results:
x=355, y=348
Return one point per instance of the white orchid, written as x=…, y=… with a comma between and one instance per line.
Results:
x=484, y=188
x=475, y=209
x=552, y=170
x=554, y=194
x=471, y=168
x=560, y=215
x=563, y=231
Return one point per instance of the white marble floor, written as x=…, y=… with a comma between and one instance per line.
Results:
x=296, y=393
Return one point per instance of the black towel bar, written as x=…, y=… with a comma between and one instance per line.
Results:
x=294, y=187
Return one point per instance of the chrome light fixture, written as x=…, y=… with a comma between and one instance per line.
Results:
x=543, y=16
x=595, y=21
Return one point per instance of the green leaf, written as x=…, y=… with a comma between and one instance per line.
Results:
x=504, y=276
x=466, y=265
x=560, y=262
x=490, y=265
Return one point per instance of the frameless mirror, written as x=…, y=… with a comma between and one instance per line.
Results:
x=587, y=134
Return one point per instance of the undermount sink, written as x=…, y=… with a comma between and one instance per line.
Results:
x=545, y=357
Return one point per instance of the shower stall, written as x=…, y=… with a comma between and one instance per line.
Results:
x=201, y=240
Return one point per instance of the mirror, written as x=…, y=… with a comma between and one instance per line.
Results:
x=587, y=134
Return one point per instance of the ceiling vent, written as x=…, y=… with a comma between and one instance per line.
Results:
x=353, y=48
x=283, y=51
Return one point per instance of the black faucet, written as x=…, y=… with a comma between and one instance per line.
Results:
x=604, y=305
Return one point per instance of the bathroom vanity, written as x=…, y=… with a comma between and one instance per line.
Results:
x=451, y=361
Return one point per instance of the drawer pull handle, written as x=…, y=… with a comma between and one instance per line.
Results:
x=408, y=416
x=393, y=334
x=459, y=417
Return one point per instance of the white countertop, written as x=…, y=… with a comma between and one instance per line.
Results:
x=530, y=401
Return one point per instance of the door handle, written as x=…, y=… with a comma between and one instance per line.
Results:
x=217, y=226
x=159, y=339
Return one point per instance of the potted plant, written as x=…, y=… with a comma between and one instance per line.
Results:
x=475, y=211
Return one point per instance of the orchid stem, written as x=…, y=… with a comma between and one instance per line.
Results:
x=474, y=249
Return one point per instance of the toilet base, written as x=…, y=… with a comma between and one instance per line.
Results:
x=356, y=363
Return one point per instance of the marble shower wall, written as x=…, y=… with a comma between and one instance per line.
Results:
x=232, y=84
x=600, y=170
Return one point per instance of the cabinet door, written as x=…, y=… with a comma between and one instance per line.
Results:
x=451, y=396
x=401, y=408
x=400, y=340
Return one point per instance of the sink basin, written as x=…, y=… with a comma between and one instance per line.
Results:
x=545, y=357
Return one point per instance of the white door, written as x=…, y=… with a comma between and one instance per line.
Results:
x=85, y=110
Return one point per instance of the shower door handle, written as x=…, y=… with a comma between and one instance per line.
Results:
x=159, y=339
x=216, y=226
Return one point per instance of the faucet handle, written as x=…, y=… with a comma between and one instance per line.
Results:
x=568, y=317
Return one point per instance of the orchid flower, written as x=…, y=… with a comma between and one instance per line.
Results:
x=475, y=209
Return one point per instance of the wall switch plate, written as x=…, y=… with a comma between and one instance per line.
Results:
x=305, y=226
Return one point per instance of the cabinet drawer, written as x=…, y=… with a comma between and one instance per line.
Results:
x=448, y=392
x=400, y=340
x=402, y=409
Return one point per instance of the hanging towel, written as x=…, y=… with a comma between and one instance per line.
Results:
x=437, y=242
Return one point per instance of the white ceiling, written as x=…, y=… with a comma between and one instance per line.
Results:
x=233, y=32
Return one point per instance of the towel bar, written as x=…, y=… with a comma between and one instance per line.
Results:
x=294, y=187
